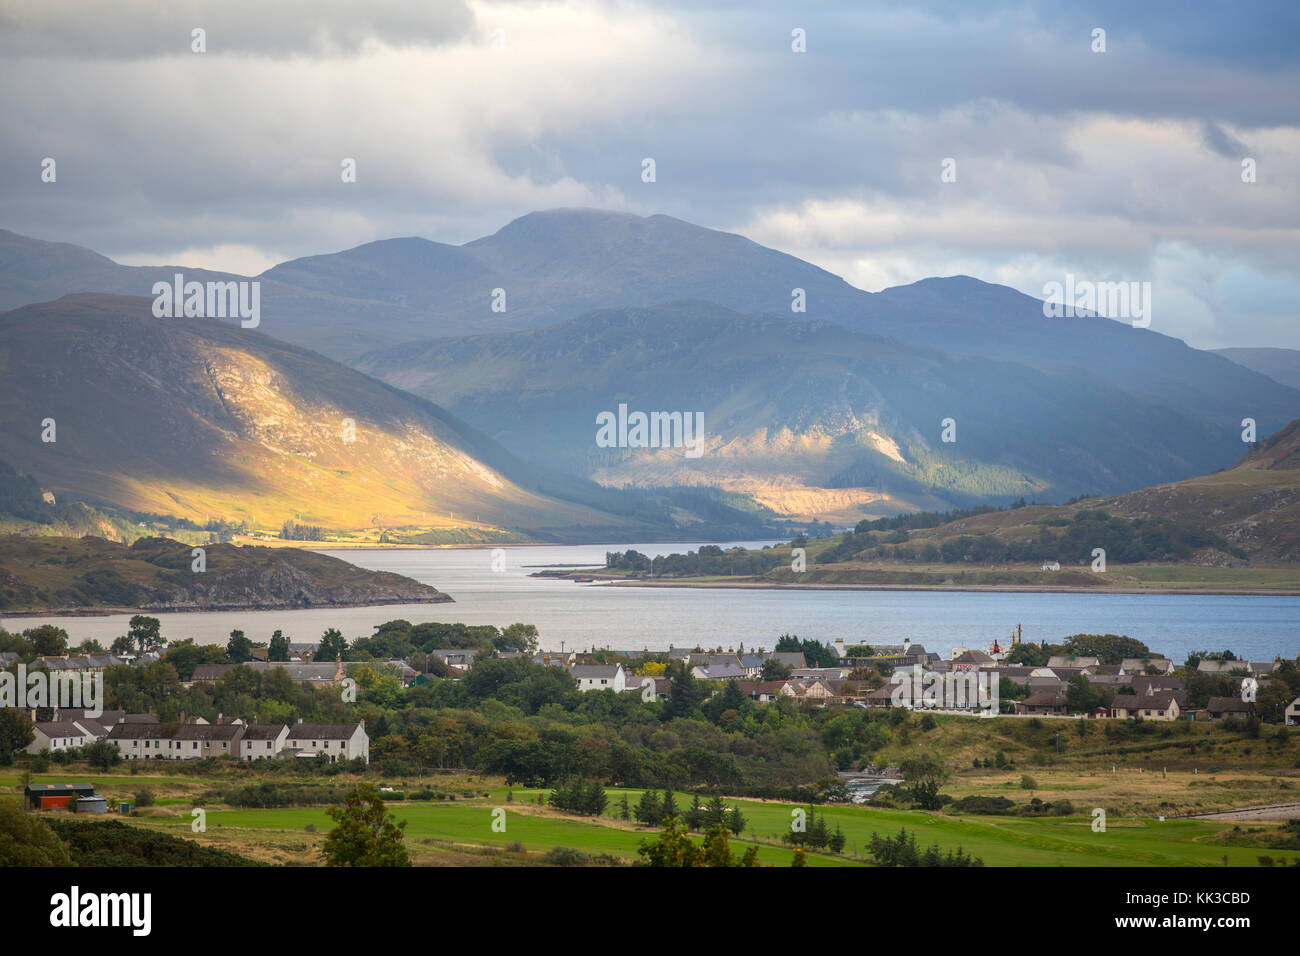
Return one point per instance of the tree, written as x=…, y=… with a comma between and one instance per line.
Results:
x=648, y=812
x=1109, y=648
x=1030, y=655
x=836, y=841
x=185, y=656
x=674, y=847
x=594, y=799
x=773, y=669
x=1081, y=696
x=145, y=633
x=239, y=648
x=669, y=806
x=25, y=840
x=1272, y=702
x=278, y=649
x=815, y=653
x=47, y=640
x=366, y=834
x=16, y=732
x=518, y=637
x=715, y=813
x=924, y=774
x=102, y=755
x=686, y=694
x=333, y=646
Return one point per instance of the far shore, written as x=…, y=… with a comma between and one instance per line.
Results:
x=110, y=611
x=754, y=584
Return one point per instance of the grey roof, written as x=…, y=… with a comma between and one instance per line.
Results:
x=59, y=728
x=1045, y=698
x=207, y=731
x=129, y=731
x=323, y=731
x=590, y=671
x=263, y=731
x=1228, y=705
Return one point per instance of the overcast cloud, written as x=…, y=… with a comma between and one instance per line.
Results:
x=462, y=115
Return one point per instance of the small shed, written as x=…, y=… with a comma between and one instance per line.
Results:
x=55, y=796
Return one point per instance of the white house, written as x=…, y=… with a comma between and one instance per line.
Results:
x=1293, y=713
x=336, y=741
x=262, y=741
x=1051, y=565
x=142, y=741
x=55, y=735
x=599, y=677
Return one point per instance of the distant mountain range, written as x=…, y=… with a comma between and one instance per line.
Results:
x=834, y=412
x=809, y=418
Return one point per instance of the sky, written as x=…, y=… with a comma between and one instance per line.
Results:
x=1117, y=165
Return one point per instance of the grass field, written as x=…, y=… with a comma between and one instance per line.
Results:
x=462, y=832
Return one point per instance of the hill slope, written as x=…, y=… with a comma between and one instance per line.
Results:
x=156, y=574
x=1250, y=512
x=810, y=418
x=203, y=420
x=1281, y=365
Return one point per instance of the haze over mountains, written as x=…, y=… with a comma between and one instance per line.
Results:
x=831, y=413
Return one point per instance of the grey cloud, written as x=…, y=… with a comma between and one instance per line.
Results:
x=135, y=29
x=1219, y=140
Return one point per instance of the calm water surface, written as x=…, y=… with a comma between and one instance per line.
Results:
x=583, y=615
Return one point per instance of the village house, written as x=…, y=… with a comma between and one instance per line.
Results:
x=719, y=669
x=139, y=741
x=261, y=741
x=1293, y=713
x=337, y=741
x=1043, y=703
x=197, y=741
x=1062, y=660
x=1162, y=705
x=458, y=659
x=600, y=677
x=1140, y=665
x=317, y=674
x=1220, y=708
x=972, y=660
x=84, y=664
x=1148, y=685
x=57, y=735
x=765, y=691
x=1254, y=668
x=790, y=659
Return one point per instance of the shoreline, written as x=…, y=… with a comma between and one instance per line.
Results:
x=111, y=611
x=994, y=588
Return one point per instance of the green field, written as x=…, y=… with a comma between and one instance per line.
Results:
x=998, y=841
